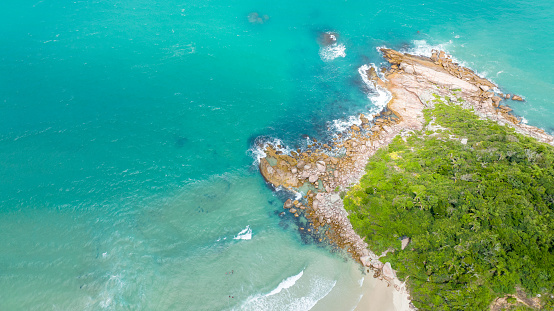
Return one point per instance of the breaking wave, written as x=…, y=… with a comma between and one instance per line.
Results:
x=286, y=283
x=245, y=234
x=290, y=295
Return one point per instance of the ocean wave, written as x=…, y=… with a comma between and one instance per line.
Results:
x=245, y=234
x=332, y=51
x=286, y=283
x=292, y=298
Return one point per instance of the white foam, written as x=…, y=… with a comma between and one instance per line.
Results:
x=362, y=71
x=341, y=125
x=378, y=96
x=286, y=283
x=113, y=286
x=332, y=51
x=257, y=151
x=294, y=299
x=245, y=234
x=422, y=48
x=379, y=100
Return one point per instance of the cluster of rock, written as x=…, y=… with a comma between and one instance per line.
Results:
x=315, y=168
x=323, y=169
x=439, y=70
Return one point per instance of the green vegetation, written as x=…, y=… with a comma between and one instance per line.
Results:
x=480, y=214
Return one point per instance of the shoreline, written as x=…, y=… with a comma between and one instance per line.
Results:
x=412, y=82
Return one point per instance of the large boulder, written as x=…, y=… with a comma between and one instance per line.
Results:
x=406, y=240
x=372, y=74
x=496, y=101
x=315, y=205
x=278, y=175
x=366, y=261
x=334, y=198
x=288, y=204
x=484, y=87
x=387, y=271
x=320, y=166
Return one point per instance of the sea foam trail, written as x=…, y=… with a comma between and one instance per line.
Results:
x=245, y=234
x=286, y=283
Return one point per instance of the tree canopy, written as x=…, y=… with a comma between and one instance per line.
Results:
x=479, y=213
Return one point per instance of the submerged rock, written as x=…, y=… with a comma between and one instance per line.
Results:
x=328, y=38
x=288, y=204
x=255, y=18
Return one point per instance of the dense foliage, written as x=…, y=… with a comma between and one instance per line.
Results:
x=480, y=215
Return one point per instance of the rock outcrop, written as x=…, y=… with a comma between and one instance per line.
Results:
x=325, y=168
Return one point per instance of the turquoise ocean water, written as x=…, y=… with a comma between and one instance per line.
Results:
x=128, y=130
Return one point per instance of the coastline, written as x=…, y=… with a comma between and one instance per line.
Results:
x=324, y=170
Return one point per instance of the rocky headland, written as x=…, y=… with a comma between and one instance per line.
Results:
x=324, y=169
